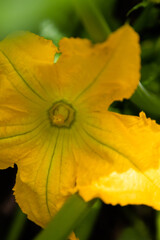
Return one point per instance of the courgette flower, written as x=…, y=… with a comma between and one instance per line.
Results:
x=56, y=127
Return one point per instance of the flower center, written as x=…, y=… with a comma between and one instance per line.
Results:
x=61, y=114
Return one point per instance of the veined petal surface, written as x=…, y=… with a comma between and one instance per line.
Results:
x=122, y=161
x=20, y=56
x=47, y=176
x=24, y=97
x=99, y=74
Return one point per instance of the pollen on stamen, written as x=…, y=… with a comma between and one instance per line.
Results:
x=58, y=119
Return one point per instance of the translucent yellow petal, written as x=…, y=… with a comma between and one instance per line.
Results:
x=118, y=159
x=18, y=135
x=20, y=120
x=26, y=44
x=24, y=100
x=20, y=55
x=46, y=177
x=99, y=74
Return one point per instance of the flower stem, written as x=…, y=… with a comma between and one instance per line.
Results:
x=84, y=229
x=92, y=19
x=146, y=101
x=68, y=217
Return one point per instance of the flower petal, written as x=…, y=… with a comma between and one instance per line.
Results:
x=26, y=44
x=46, y=177
x=20, y=54
x=99, y=74
x=20, y=120
x=120, y=162
x=23, y=112
x=16, y=138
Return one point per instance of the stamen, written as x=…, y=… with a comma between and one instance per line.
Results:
x=61, y=114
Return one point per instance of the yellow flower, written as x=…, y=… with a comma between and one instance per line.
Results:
x=55, y=126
